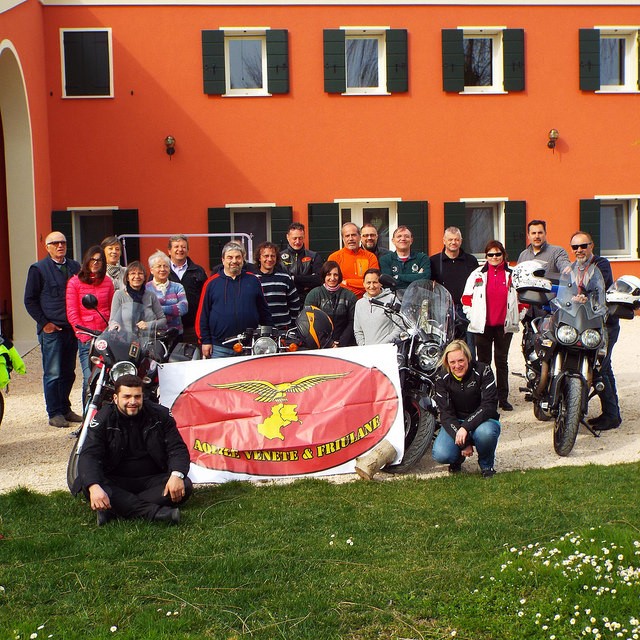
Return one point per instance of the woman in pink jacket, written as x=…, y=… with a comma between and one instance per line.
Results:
x=91, y=279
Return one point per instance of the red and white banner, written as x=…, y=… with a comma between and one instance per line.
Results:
x=286, y=415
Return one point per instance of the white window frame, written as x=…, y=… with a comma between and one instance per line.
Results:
x=244, y=33
x=497, y=63
x=500, y=204
x=370, y=33
x=357, y=205
x=632, y=202
x=250, y=207
x=109, y=32
x=630, y=36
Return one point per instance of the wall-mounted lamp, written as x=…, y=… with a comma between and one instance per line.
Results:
x=170, y=143
x=553, y=137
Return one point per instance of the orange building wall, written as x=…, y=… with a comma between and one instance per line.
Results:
x=309, y=146
x=23, y=27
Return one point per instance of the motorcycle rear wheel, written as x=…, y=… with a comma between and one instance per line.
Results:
x=569, y=416
x=419, y=427
x=540, y=413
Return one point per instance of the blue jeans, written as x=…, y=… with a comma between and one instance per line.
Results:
x=85, y=364
x=219, y=351
x=609, y=395
x=59, y=369
x=484, y=438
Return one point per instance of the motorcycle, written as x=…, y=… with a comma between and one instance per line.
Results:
x=564, y=351
x=426, y=315
x=123, y=349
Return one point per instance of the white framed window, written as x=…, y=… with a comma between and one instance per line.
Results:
x=365, y=60
x=483, y=59
x=618, y=59
x=86, y=62
x=245, y=59
x=381, y=213
x=484, y=220
x=254, y=220
x=618, y=226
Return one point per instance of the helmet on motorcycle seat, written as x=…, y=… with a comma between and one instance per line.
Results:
x=315, y=327
x=530, y=275
x=625, y=290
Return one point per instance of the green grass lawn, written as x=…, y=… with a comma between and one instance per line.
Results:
x=542, y=554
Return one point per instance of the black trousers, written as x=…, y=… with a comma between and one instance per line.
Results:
x=141, y=497
x=495, y=338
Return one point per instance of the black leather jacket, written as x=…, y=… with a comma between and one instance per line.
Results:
x=304, y=267
x=107, y=442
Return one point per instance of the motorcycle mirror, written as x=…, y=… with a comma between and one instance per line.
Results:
x=388, y=282
x=89, y=301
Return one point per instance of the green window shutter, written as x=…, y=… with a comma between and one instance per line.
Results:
x=281, y=218
x=513, y=59
x=454, y=216
x=397, y=61
x=213, y=62
x=86, y=63
x=590, y=220
x=61, y=221
x=515, y=225
x=589, y=59
x=335, y=70
x=278, y=61
x=218, y=221
x=324, y=225
x=452, y=60
x=415, y=215
x=126, y=221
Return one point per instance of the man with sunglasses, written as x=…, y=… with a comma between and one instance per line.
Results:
x=582, y=246
x=45, y=301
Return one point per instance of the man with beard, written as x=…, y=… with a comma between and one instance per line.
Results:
x=582, y=246
x=232, y=301
x=134, y=462
x=369, y=235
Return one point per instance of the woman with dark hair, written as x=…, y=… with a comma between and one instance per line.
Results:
x=491, y=303
x=337, y=302
x=91, y=279
x=112, y=251
x=134, y=307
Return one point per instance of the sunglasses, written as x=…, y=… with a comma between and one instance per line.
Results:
x=57, y=242
x=584, y=245
x=493, y=255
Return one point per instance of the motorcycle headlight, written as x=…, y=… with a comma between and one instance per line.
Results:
x=567, y=334
x=123, y=368
x=264, y=345
x=590, y=338
x=428, y=356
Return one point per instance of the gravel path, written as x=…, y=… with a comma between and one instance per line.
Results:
x=34, y=455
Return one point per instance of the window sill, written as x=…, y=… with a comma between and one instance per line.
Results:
x=253, y=94
x=491, y=92
x=620, y=90
x=373, y=92
x=64, y=97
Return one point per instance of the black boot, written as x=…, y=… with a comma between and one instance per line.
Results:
x=167, y=514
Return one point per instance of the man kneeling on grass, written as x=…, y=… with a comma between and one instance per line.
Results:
x=134, y=462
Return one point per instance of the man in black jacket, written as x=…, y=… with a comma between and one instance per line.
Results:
x=192, y=277
x=302, y=264
x=46, y=302
x=134, y=463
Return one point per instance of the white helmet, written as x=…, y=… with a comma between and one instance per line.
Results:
x=530, y=275
x=625, y=290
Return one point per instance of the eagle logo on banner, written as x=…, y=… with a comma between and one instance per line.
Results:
x=282, y=415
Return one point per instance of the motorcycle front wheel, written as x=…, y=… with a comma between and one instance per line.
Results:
x=419, y=427
x=72, y=465
x=569, y=416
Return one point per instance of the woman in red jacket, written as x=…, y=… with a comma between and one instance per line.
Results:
x=91, y=279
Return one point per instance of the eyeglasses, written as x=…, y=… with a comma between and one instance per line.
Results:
x=494, y=255
x=584, y=245
x=57, y=242
x=95, y=260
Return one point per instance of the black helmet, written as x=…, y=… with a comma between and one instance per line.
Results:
x=315, y=327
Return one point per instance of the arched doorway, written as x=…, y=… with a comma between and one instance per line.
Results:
x=17, y=196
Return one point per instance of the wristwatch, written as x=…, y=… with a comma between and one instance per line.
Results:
x=178, y=474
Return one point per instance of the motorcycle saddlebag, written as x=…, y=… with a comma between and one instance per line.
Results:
x=185, y=352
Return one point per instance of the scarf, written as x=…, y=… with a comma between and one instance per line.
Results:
x=161, y=287
x=136, y=296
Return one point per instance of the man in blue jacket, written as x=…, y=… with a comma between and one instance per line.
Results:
x=232, y=301
x=45, y=301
